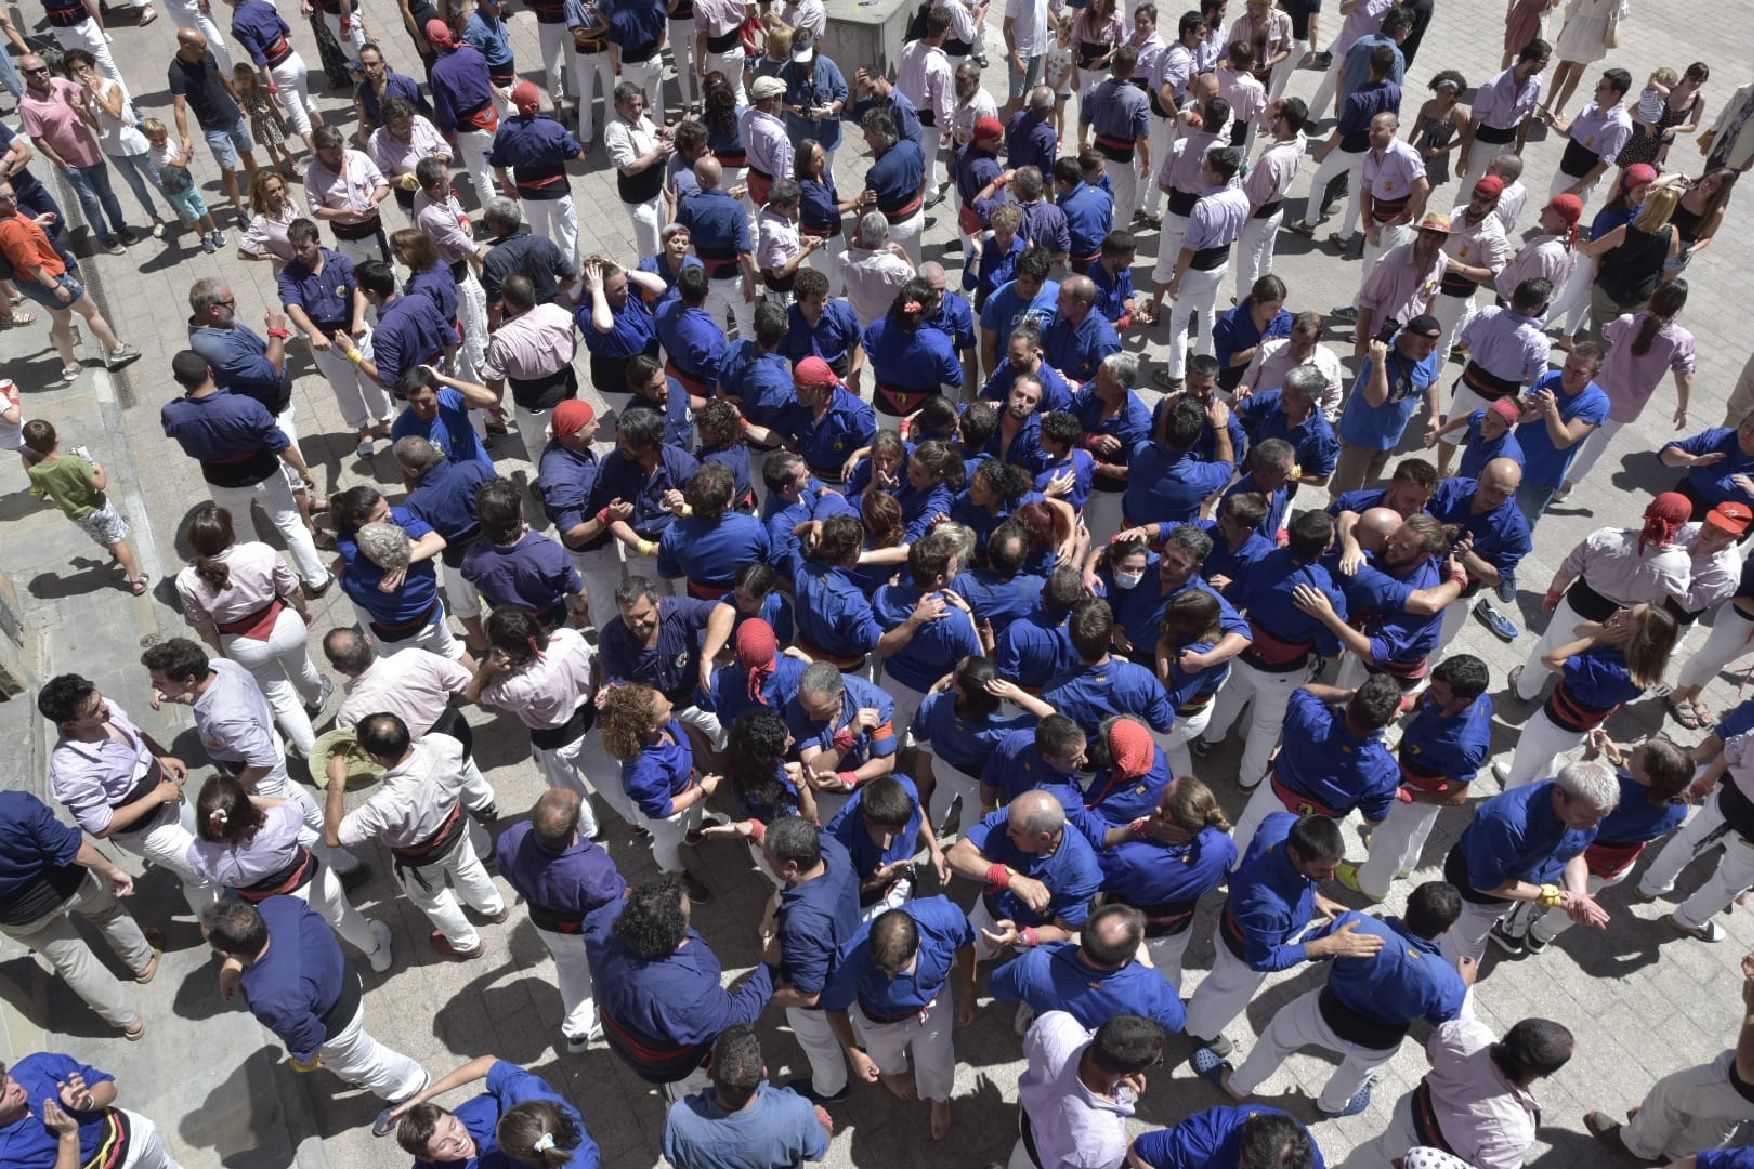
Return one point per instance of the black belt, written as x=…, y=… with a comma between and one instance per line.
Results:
x=1181, y=202
x=1494, y=135
x=451, y=722
x=639, y=56
x=1268, y=210
x=1587, y=603
x=1207, y=259
x=1455, y=871
x=609, y=373
x=641, y=187
x=1489, y=385
x=365, y=229
x=144, y=788
x=1355, y=141
x=1680, y=613
x=553, y=921
x=1454, y=284
x=577, y=725
x=346, y=1005
x=1578, y=159
x=68, y=17
x=1354, y=1026
x=726, y=42
x=1166, y=920
x=545, y=392
x=295, y=874
x=927, y=117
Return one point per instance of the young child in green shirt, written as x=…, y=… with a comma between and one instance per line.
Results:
x=76, y=485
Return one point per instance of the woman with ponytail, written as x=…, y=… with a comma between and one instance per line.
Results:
x=910, y=360
x=246, y=603
x=519, y=1112
x=1645, y=348
x=546, y=1134
x=256, y=847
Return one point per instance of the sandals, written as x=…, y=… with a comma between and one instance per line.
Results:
x=19, y=321
x=1211, y=1066
x=1690, y=715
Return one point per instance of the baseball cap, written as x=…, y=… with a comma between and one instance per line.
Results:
x=1731, y=516
x=1425, y=325
x=803, y=48
x=766, y=87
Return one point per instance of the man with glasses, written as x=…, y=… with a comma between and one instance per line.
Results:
x=1476, y=252
x=55, y=114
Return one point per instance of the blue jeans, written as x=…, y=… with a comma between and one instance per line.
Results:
x=9, y=75
x=34, y=200
x=98, y=198
x=142, y=176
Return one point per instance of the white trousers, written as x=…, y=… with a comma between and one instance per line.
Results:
x=824, y=258
x=688, y=78
x=731, y=65
x=558, y=219
x=648, y=220
x=1550, y=923
x=1572, y=302
x=1329, y=87
x=1387, y=1149
x=1123, y=181
x=435, y=637
x=1732, y=636
x=362, y=400
x=1455, y=615
x=533, y=430
x=1283, y=70
x=1592, y=450
x=592, y=74
x=145, y=1144
x=325, y=895
x=472, y=308
x=276, y=500
x=296, y=102
x=1733, y=876
x=283, y=668
x=358, y=1059
x=1162, y=139
x=726, y=294
x=1453, y=314
x=1254, y=251
x=648, y=76
x=1267, y=695
x=1223, y=994
x=1538, y=748
x=1559, y=631
x=1337, y=163
x=360, y=251
x=354, y=34
x=1699, y=834
x=1387, y=238
x=828, y=1063
x=1396, y=845
x=1299, y=1024
x=1467, y=937
x=1169, y=246
x=429, y=888
x=556, y=43
x=188, y=14
x=907, y=233
x=1185, y=731
x=1561, y=180
x=1686, y=1111
x=951, y=783
x=472, y=147
x=573, y=974
x=88, y=36
x=564, y=767
x=163, y=839
x=927, y=1035
x=1198, y=294
x=1262, y=803
x=669, y=833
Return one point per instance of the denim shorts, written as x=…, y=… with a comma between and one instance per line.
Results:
x=46, y=296
x=226, y=142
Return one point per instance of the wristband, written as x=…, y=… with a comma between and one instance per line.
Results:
x=845, y=740
x=1555, y=594
x=757, y=830
x=848, y=780
x=1028, y=938
x=648, y=548
x=279, y=334
x=1459, y=578
x=355, y=356
x=603, y=517
x=998, y=878
x=1551, y=897
x=1138, y=828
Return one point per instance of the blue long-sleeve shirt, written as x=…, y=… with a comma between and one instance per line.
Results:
x=1407, y=980
x=1056, y=977
x=299, y=979
x=508, y=1086
x=1070, y=873
x=816, y=921
x=943, y=930
x=1336, y=769
x=1270, y=902
x=1515, y=835
x=561, y=888
x=1206, y=1140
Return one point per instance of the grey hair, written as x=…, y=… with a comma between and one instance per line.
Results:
x=384, y=544
x=873, y=229
x=1029, y=330
x=1274, y=452
x=1590, y=782
x=630, y=590
x=1510, y=164
x=416, y=454
x=626, y=91
x=1124, y=367
x=1190, y=538
x=821, y=680
x=1038, y=811
x=206, y=293
x=1306, y=380
x=505, y=213
x=930, y=269
x=1041, y=99
x=962, y=536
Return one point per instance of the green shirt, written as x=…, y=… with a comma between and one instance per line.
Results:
x=67, y=481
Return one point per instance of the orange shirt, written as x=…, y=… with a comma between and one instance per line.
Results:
x=27, y=246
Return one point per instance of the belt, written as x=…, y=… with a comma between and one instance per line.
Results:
x=1578, y=159
x=1196, y=706
x=1571, y=714
x=725, y=42
x=640, y=54
x=554, y=921
x=1268, y=210
x=294, y=875
x=1587, y=603
x=145, y=786
x=706, y=591
x=1181, y=202
x=277, y=53
x=900, y=402
x=502, y=75
x=68, y=17
x=881, y=1018
x=1117, y=149
x=654, y=1063
x=1166, y=920
x=1455, y=284
x=1425, y=1125
x=839, y=661
x=401, y=629
x=346, y=1005
x=1455, y=871
x=903, y=213
x=1355, y=142
x=1489, y=385
x=1210, y=259
x=1420, y=780
x=258, y=625
x=1354, y=1026
x=114, y=1146
x=576, y=726
x=1271, y=653
x=432, y=850
x=1383, y=210
x=737, y=157
x=483, y=117
x=1494, y=135
x=362, y=229
x=1296, y=801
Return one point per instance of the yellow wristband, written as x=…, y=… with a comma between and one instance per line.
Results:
x=648, y=548
x=356, y=357
x=1551, y=896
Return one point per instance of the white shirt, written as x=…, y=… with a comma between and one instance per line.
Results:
x=805, y=15
x=967, y=113
x=1272, y=361
x=627, y=142
x=1478, y=245
x=1715, y=576
x=776, y=240
x=962, y=27
x=1029, y=26
x=1511, y=202
x=545, y=693
x=872, y=280
x=257, y=575
x=1609, y=562
x=234, y=723
x=415, y=685
x=926, y=78
x=412, y=799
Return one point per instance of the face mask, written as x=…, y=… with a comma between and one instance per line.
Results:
x=1128, y=580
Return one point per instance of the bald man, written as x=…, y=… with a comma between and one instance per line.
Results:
x=954, y=317
x=562, y=876
x=1080, y=337
x=197, y=83
x=1038, y=877
x=1495, y=537
x=719, y=226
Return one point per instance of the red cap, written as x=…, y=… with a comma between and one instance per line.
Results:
x=571, y=416
x=1491, y=186
x=813, y=371
x=1569, y=206
x=1731, y=516
x=439, y=34
x=989, y=127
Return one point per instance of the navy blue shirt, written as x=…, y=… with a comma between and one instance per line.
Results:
x=817, y=920
x=239, y=357
x=1407, y=980
x=508, y=1086
x=1207, y=1140
x=37, y=872
x=1056, y=977
x=619, y=477
x=1031, y=141
x=536, y=149
x=445, y=496
x=535, y=573
x=221, y=426
x=1517, y=835
x=1076, y=350
x=299, y=979
x=943, y=930
x=1070, y=873
x=832, y=338
x=671, y=665
x=1151, y=874
x=327, y=296
x=1270, y=902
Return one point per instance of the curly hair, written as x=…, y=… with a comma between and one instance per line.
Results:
x=629, y=710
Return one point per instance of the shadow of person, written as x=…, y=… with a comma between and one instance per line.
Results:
x=243, y=1121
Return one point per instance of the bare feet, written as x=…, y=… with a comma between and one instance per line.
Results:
x=942, y=1119
x=902, y=1086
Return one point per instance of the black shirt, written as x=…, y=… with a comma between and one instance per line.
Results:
x=199, y=84
x=535, y=256
x=1300, y=10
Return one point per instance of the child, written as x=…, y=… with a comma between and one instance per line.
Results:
x=267, y=120
x=1062, y=437
x=1060, y=65
x=179, y=186
x=1656, y=94
x=76, y=485
x=12, y=424
x=992, y=255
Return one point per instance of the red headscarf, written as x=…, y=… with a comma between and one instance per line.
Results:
x=1664, y=518
x=1570, y=209
x=1131, y=748
x=527, y=98
x=756, y=649
x=440, y=36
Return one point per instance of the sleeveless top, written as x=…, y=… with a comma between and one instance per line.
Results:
x=1632, y=271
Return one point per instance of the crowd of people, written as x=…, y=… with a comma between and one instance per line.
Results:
x=895, y=570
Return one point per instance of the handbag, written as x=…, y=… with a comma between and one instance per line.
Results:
x=1612, y=39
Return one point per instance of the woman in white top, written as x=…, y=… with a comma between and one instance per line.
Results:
x=256, y=847
x=273, y=208
x=246, y=603
x=118, y=132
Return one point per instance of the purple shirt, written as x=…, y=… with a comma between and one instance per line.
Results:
x=536, y=573
x=1217, y=220
x=1366, y=18
x=92, y=779
x=1601, y=132
x=1391, y=174
x=1398, y=288
x=559, y=887
x=1628, y=379
x=1507, y=344
x=1501, y=104
x=460, y=85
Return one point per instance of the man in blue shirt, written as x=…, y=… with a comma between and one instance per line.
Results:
x=1229, y=1137
x=1390, y=387
x=641, y=472
x=411, y=331
x=1030, y=139
x=754, y=374
x=511, y=565
x=1442, y=748
x=1038, y=875
x=1080, y=337
x=243, y=362
x=896, y=975
x=536, y=149
x=1030, y=296
x=1034, y=650
x=719, y=227
x=928, y=627
x=1167, y=481
x=895, y=183
x=444, y=494
x=1525, y=848
x=814, y=924
x=289, y=967
x=658, y=985
x=794, y=497
x=845, y=727
x=438, y=411
x=469, y=1137
x=1104, y=685
x=1095, y=978
x=56, y=1112
x=1498, y=537
x=741, y=1119
x=818, y=326
x=1368, y=1004
x=1089, y=212
x=1563, y=408
x=1294, y=413
x=1272, y=900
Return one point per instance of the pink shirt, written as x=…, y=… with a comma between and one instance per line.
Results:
x=1502, y=104
x=1391, y=174
x=1366, y=18
x=1507, y=344
x=266, y=234
x=1399, y=289
x=445, y=225
x=415, y=685
x=350, y=189
x=258, y=575
x=1488, y=1121
x=271, y=849
x=766, y=142
x=1270, y=179
x=1478, y=245
x=532, y=345
x=718, y=17
x=1629, y=379
x=396, y=158
x=776, y=240
x=57, y=122
x=1546, y=257
x=544, y=693
x=925, y=78
x=1185, y=168
x=1247, y=97
x=1602, y=133
x=1276, y=36
x=1217, y=219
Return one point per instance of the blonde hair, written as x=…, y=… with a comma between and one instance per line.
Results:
x=244, y=76
x=154, y=128
x=1665, y=76
x=1193, y=806
x=779, y=41
x=1647, y=653
x=1659, y=208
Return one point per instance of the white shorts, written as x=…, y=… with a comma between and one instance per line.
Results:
x=105, y=525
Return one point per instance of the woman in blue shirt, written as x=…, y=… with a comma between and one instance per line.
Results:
x=667, y=265
x=1239, y=333
x=820, y=208
x=657, y=771
x=880, y=463
x=993, y=493
x=909, y=359
x=1607, y=665
x=426, y=276
x=1190, y=625
x=962, y=721
x=1070, y=475
x=934, y=475
x=885, y=544
x=720, y=429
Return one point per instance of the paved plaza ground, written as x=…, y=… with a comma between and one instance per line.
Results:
x=1641, y=1000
